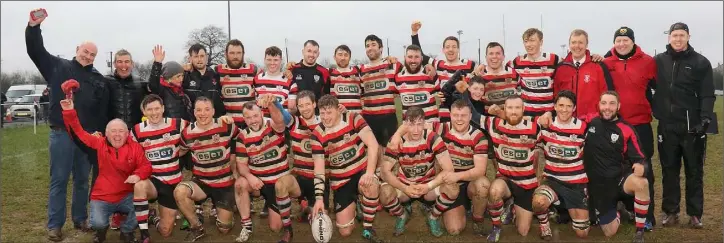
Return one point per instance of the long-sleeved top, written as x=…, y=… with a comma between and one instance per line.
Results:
x=611, y=148
x=176, y=103
x=196, y=85
x=126, y=95
x=115, y=165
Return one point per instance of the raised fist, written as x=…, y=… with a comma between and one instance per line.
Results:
x=415, y=26
x=37, y=16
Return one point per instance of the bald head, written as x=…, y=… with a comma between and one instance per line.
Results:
x=117, y=132
x=86, y=53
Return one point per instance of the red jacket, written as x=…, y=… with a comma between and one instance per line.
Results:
x=587, y=81
x=631, y=78
x=114, y=165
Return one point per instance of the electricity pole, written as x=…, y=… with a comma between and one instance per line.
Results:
x=228, y=16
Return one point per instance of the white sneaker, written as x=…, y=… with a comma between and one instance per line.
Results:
x=243, y=235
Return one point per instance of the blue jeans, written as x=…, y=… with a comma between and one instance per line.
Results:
x=67, y=158
x=100, y=211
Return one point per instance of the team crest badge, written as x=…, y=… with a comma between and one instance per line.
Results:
x=266, y=139
x=586, y=78
x=544, y=68
x=468, y=149
x=299, y=77
x=508, y=80
x=213, y=81
x=526, y=70
x=197, y=143
x=147, y=143
x=622, y=31
x=331, y=146
x=279, y=87
x=450, y=146
x=166, y=137
x=421, y=84
x=573, y=136
x=253, y=148
x=316, y=78
x=244, y=76
x=192, y=83
x=524, y=137
x=215, y=138
x=226, y=78
x=346, y=137
x=614, y=138
x=592, y=130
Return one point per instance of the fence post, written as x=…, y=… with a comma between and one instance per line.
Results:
x=35, y=117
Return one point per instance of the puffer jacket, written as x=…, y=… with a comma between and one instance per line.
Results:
x=126, y=96
x=176, y=103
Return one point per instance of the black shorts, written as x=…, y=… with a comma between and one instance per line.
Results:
x=164, y=194
x=306, y=185
x=604, y=195
x=269, y=193
x=186, y=162
x=570, y=196
x=222, y=197
x=348, y=193
x=463, y=199
x=383, y=126
x=521, y=197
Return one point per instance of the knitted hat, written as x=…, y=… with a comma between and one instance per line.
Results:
x=170, y=69
x=679, y=26
x=624, y=31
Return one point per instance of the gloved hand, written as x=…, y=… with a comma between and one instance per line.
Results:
x=701, y=128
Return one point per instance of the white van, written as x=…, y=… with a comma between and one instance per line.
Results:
x=16, y=92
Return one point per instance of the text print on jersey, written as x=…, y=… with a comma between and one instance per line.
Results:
x=160, y=154
x=347, y=89
x=376, y=85
x=565, y=152
x=231, y=91
x=209, y=155
x=536, y=83
x=514, y=154
x=343, y=156
x=265, y=156
x=414, y=98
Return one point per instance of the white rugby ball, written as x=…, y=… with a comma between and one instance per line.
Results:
x=322, y=227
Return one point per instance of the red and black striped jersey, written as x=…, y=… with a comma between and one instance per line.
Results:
x=345, y=85
x=499, y=86
x=265, y=151
x=211, y=150
x=417, y=158
x=300, y=132
x=162, y=143
x=344, y=152
x=378, y=87
x=536, y=82
x=462, y=147
x=279, y=85
x=237, y=88
x=418, y=89
x=514, y=147
x=445, y=70
x=563, y=149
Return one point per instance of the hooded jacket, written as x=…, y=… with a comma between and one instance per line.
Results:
x=633, y=78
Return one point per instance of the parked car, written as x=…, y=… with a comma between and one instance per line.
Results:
x=17, y=92
x=23, y=108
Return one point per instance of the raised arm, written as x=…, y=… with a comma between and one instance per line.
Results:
x=279, y=116
x=416, y=25
x=70, y=117
x=44, y=61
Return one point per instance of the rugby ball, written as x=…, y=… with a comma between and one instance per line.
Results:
x=322, y=228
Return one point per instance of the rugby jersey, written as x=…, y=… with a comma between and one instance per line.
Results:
x=345, y=85
x=161, y=144
x=513, y=147
x=344, y=152
x=418, y=89
x=462, y=147
x=498, y=86
x=300, y=131
x=210, y=152
x=265, y=151
x=279, y=85
x=536, y=82
x=444, y=71
x=378, y=87
x=237, y=88
x=563, y=149
x=417, y=158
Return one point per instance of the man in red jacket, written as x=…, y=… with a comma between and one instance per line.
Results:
x=633, y=73
x=121, y=163
x=577, y=73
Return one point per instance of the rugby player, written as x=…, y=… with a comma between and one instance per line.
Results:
x=344, y=142
x=211, y=143
x=513, y=137
x=616, y=166
x=273, y=81
x=500, y=80
x=417, y=178
x=261, y=154
x=444, y=68
x=416, y=86
x=345, y=80
x=468, y=148
x=237, y=81
x=564, y=178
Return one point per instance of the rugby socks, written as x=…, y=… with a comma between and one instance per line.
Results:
x=141, y=207
x=442, y=204
x=641, y=208
x=394, y=208
x=542, y=217
x=495, y=210
x=285, y=206
x=369, y=209
x=246, y=223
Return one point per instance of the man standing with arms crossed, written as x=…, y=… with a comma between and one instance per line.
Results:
x=634, y=74
x=66, y=156
x=684, y=104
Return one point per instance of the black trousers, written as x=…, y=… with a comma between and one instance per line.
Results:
x=675, y=143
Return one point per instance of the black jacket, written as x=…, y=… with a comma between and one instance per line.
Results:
x=176, y=105
x=208, y=85
x=91, y=99
x=126, y=96
x=612, y=147
x=684, y=87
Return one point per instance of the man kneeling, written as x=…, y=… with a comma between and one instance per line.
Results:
x=417, y=179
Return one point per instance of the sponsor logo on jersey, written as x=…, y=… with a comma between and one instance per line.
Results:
x=414, y=98
x=376, y=85
x=499, y=95
x=515, y=154
x=265, y=156
x=244, y=90
x=562, y=151
x=343, y=156
x=209, y=155
x=537, y=83
x=347, y=89
x=414, y=171
x=462, y=163
x=159, y=154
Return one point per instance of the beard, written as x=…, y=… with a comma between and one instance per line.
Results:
x=411, y=70
x=234, y=64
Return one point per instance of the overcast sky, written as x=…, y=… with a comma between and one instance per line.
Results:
x=138, y=26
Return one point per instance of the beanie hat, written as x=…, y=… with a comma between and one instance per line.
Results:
x=170, y=69
x=624, y=31
x=679, y=26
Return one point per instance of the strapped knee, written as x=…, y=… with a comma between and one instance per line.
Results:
x=224, y=227
x=547, y=192
x=581, y=225
x=347, y=225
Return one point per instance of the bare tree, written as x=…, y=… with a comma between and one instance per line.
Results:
x=142, y=69
x=10, y=79
x=34, y=77
x=214, y=39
